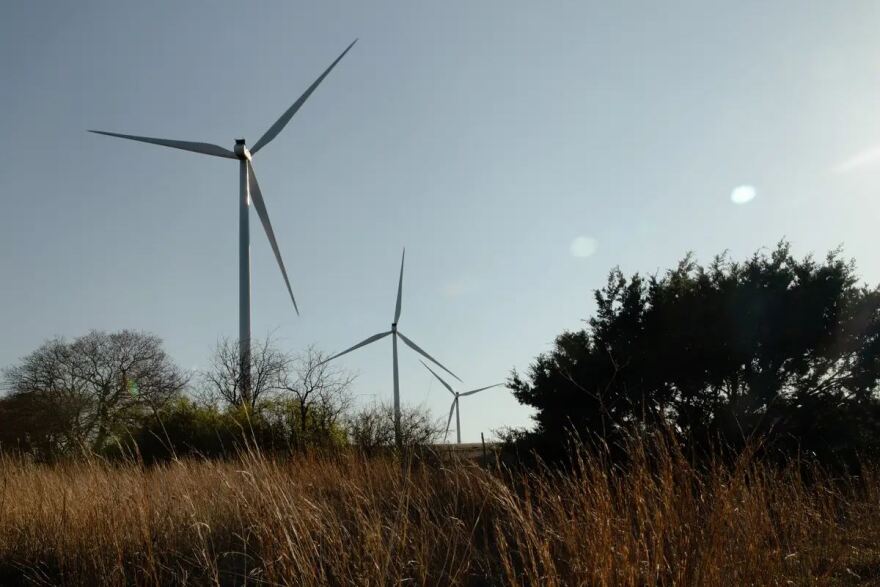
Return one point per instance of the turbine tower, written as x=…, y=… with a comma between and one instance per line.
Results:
x=249, y=192
x=395, y=333
x=454, y=406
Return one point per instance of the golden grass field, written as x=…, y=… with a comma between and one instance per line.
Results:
x=345, y=520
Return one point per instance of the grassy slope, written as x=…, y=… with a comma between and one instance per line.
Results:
x=317, y=521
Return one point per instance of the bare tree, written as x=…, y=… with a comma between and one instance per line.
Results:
x=93, y=385
x=225, y=379
x=322, y=391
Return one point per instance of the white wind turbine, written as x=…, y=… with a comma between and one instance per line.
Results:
x=454, y=407
x=395, y=333
x=249, y=191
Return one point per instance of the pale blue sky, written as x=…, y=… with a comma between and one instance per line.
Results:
x=484, y=136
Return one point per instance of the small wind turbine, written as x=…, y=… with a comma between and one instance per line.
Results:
x=395, y=333
x=249, y=191
x=454, y=406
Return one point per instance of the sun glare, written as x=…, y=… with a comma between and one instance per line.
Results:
x=743, y=194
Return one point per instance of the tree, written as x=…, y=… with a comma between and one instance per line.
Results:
x=322, y=392
x=225, y=380
x=75, y=396
x=294, y=401
x=722, y=353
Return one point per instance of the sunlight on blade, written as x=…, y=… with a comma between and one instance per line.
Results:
x=449, y=421
x=203, y=148
x=285, y=118
x=364, y=342
x=399, y=289
x=260, y=205
x=419, y=350
x=473, y=391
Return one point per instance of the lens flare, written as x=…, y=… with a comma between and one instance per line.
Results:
x=743, y=194
x=583, y=246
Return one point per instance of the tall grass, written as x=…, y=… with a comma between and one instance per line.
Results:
x=349, y=521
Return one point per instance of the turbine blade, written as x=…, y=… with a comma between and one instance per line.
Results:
x=419, y=350
x=285, y=118
x=449, y=421
x=438, y=377
x=260, y=205
x=203, y=148
x=399, y=289
x=473, y=391
x=364, y=342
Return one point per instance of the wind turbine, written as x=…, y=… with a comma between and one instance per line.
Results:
x=249, y=191
x=454, y=406
x=395, y=333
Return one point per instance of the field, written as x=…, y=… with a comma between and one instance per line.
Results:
x=346, y=520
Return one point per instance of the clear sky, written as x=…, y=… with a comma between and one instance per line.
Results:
x=519, y=150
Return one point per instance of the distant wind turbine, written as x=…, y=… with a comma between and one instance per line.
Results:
x=454, y=407
x=395, y=333
x=249, y=191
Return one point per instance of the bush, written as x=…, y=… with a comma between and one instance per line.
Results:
x=371, y=430
x=776, y=348
x=187, y=428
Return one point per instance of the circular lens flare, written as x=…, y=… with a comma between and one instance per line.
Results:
x=743, y=194
x=583, y=246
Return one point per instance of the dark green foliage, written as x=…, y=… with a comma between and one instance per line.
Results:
x=33, y=424
x=183, y=428
x=775, y=348
x=186, y=428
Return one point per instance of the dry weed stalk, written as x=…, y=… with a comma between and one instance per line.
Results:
x=353, y=521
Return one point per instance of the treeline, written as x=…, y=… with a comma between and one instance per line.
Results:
x=119, y=395
x=775, y=352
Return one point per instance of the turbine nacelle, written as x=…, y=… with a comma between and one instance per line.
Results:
x=241, y=151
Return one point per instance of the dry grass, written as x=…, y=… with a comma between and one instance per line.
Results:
x=346, y=521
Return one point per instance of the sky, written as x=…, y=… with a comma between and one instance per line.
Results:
x=518, y=150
